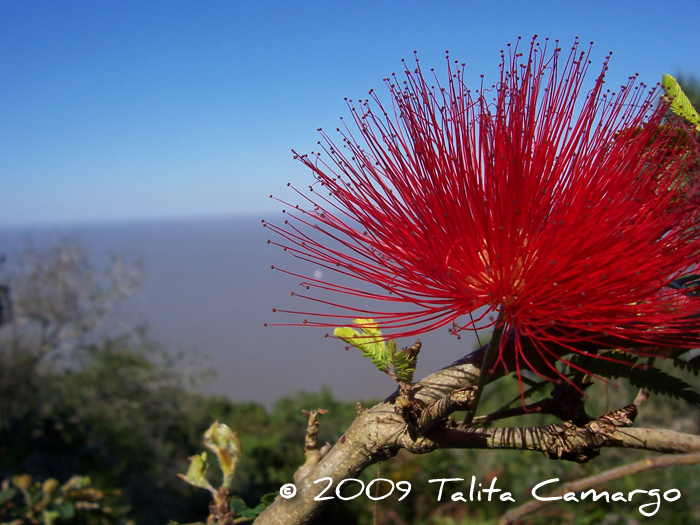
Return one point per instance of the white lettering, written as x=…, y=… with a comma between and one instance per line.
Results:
x=633, y=492
x=507, y=496
x=672, y=490
x=596, y=496
x=619, y=496
x=570, y=496
x=492, y=489
x=457, y=496
x=652, y=492
x=442, y=483
x=539, y=485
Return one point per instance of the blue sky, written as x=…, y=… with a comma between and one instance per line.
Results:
x=152, y=109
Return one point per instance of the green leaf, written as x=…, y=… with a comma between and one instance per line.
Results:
x=402, y=365
x=76, y=483
x=268, y=499
x=49, y=516
x=381, y=351
x=680, y=104
x=238, y=506
x=225, y=443
x=196, y=474
x=529, y=382
x=49, y=486
x=7, y=495
x=22, y=482
x=369, y=342
x=688, y=284
x=242, y=510
x=66, y=510
x=647, y=377
x=693, y=365
x=258, y=508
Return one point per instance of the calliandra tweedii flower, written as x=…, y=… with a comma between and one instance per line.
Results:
x=561, y=213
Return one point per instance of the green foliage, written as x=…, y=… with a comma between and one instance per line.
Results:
x=76, y=502
x=221, y=440
x=535, y=388
x=242, y=510
x=680, y=104
x=124, y=417
x=378, y=349
x=225, y=508
x=692, y=365
x=79, y=394
x=369, y=341
x=615, y=364
x=123, y=414
x=197, y=472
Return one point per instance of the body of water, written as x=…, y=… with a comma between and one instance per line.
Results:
x=209, y=288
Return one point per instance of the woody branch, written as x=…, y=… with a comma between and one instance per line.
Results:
x=380, y=432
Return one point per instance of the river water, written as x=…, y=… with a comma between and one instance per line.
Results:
x=209, y=289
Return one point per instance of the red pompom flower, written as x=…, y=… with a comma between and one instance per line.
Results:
x=566, y=214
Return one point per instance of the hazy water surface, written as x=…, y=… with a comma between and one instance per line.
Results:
x=209, y=287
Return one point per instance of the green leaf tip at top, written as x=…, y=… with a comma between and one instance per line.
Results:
x=224, y=442
x=369, y=341
x=680, y=104
x=196, y=474
x=378, y=349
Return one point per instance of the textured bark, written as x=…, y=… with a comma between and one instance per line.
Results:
x=312, y=453
x=378, y=433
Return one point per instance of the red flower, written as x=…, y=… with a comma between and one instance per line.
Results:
x=566, y=214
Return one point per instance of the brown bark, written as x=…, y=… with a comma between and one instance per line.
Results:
x=378, y=433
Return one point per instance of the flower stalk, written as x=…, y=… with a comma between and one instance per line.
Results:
x=493, y=350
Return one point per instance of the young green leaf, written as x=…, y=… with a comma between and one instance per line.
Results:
x=680, y=104
x=224, y=442
x=196, y=474
x=382, y=352
x=369, y=342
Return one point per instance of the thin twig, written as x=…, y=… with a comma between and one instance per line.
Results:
x=604, y=477
x=519, y=397
x=489, y=359
x=312, y=453
x=539, y=407
x=642, y=396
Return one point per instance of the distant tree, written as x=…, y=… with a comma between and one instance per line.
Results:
x=85, y=391
x=54, y=305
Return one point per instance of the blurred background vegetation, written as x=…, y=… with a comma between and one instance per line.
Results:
x=85, y=393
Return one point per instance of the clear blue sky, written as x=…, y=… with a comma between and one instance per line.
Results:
x=113, y=110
